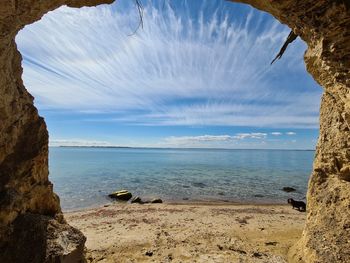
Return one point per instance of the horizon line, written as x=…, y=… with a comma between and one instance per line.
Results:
x=174, y=148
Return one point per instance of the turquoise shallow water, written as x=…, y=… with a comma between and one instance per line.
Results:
x=83, y=177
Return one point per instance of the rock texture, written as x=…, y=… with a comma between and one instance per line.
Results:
x=39, y=238
x=325, y=26
x=25, y=191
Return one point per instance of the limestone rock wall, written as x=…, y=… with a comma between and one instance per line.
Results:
x=24, y=186
x=325, y=26
x=26, y=195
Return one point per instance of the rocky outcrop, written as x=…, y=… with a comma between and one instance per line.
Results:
x=28, y=206
x=39, y=238
x=25, y=190
x=325, y=26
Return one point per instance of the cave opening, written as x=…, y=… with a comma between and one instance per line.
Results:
x=331, y=163
x=96, y=84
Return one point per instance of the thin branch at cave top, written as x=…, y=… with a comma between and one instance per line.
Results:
x=140, y=11
x=291, y=37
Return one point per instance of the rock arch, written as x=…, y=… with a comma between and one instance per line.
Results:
x=32, y=228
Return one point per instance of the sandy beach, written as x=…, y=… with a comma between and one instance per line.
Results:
x=188, y=232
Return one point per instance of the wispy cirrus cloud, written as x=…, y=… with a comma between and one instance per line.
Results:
x=201, y=68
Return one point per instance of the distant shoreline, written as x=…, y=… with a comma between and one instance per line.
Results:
x=82, y=146
x=173, y=148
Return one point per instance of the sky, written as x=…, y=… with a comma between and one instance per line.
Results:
x=197, y=74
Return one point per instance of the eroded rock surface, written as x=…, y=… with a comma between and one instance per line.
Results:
x=39, y=238
x=25, y=191
x=325, y=26
x=24, y=186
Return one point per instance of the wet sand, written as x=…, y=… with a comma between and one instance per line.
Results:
x=188, y=232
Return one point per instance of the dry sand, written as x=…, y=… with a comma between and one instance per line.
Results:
x=188, y=232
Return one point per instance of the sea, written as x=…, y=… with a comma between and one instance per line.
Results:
x=84, y=176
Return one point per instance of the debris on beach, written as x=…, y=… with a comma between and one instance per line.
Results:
x=271, y=243
x=137, y=200
x=257, y=255
x=149, y=253
x=156, y=201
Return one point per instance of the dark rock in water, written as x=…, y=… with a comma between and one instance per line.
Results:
x=221, y=193
x=136, y=199
x=123, y=195
x=186, y=186
x=200, y=185
x=185, y=198
x=156, y=201
x=288, y=189
x=258, y=195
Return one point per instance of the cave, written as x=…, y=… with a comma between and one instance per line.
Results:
x=32, y=227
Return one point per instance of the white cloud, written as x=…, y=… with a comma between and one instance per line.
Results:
x=204, y=140
x=200, y=138
x=176, y=71
x=276, y=133
x=291, y=133
x=253, y=135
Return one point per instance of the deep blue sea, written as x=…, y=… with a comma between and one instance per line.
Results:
x=83, y=177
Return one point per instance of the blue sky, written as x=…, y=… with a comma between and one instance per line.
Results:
x=197, y=75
